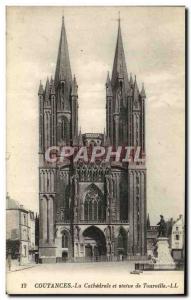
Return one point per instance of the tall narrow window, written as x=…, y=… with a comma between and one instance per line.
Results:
x=25, y=219
x=65, y=239
x=95, y=211
x=48, y=182
x=90, y=211
x=120, y=241
x=86, y=210
x=25, y=250
x=62, y=130
x=62, y=94
x=100, y=217
x=66, y=129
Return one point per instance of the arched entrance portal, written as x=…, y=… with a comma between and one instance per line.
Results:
x=95, y=244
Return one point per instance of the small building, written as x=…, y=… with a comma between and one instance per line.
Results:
x=20, y=232
x=31, y=223
x=177, y=239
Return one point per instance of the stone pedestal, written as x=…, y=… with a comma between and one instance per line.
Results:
x=47, y=252
x=164, y=259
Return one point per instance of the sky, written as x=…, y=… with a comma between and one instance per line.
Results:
x=154, y=44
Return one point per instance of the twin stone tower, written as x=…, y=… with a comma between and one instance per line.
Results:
x=91, y=211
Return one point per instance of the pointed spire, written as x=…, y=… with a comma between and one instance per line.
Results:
x=119, y=19
x=143, y=95
x=63, y=69
x=74, y=87
x=131, y=80
x=104, y=137
x=108, y=141
x=47, y=82
x=136, y=90
x=51, y=86
x=47, y=89
x=80, y=140
x=52, y=89
x=40, y=90
x=148, y=222
x=108, y=87
x=108, y=79
x=119, y=65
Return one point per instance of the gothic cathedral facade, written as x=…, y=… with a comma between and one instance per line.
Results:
x=91, y=211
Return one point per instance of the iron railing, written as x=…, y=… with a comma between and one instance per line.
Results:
x=103, y=258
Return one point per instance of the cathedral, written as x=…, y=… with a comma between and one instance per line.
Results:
x=91, y=211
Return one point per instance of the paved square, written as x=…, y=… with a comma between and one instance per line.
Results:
x=89, y=278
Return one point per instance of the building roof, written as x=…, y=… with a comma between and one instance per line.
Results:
x=178, y=221
x=11, y=203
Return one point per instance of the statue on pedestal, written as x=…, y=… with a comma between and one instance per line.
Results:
x=164, y=259
x=162, y=227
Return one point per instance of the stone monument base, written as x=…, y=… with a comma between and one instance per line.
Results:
x=48, y=260
x=164, y=261
x=47, y=253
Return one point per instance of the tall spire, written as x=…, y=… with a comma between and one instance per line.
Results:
x=47, y=89
x=80, y=139
x=63, y=69
x=148, y=222
x=40, y=90
x=104, y=137
x=108, y=86
x=136, y=90
x=131, y=80
x=119, y=65
x=74, y=87
x=52, y=88
x=143, y=95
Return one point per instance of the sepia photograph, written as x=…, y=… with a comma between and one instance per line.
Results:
x=95, y=158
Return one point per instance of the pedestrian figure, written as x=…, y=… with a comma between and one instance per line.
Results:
x=9, y=261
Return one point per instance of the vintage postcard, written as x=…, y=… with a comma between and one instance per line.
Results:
x=95, y=150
